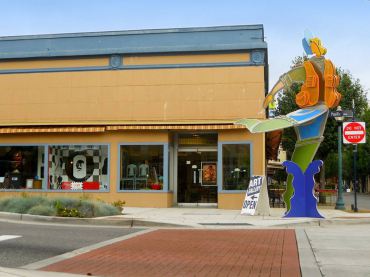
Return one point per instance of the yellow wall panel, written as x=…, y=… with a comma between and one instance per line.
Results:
x=133, y=95
x=231, y=201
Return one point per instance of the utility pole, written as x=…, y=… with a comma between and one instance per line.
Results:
x=340, y=203
x=354, y=147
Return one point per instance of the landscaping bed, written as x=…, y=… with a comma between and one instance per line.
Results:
x=60, y=206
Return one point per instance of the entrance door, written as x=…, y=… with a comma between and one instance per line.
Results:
x=197, y=176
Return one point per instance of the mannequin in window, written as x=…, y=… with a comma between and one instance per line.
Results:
x=144, y=170
x=143, y=174
x=131, y=170
x=16, y=169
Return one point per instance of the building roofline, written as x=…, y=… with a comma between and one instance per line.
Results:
x=137, y=32
x=219, y=38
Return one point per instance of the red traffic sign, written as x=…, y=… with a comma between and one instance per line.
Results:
x=354, y=132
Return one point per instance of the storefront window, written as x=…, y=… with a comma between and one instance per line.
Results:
x=235, y=166
x=141, y=167
x=78, y=167
x=21, y=167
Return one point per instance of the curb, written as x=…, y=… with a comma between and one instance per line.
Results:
x=326, y=222
x=133, y=222
x=17, y=272
x=100, y=221
x=65, y=220
x=307, y=259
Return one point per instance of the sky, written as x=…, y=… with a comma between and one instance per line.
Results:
x=342, y=25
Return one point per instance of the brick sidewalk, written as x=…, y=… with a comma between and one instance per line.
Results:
x=192, y=253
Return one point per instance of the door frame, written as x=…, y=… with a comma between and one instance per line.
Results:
x=174, y=170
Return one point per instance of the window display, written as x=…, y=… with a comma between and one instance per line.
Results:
x=235, y=166
x=21, y=167
x=141, y=167
x=78, y=167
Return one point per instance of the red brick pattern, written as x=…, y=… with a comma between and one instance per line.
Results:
x=192, y=253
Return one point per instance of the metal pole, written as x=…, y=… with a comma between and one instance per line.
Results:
x=354, y=175
x=340, y=203
x=354, y=160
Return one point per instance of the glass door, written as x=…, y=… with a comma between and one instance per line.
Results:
x=197, y=176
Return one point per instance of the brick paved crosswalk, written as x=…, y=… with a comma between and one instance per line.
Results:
x=192, y=253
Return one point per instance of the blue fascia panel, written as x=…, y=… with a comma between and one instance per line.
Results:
x=227, y=38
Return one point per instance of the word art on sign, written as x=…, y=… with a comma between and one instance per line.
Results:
x=256, y=198
x=354, y=132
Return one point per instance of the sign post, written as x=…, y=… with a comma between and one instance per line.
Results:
x=256, y=199
x=354, y=133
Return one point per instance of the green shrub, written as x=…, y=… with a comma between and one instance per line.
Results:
x=3, y=203
x=61, y=206
x=68, y=203
x=42, y=210
x=86, y=208
x=65, y=212
x=103, y=209
x=23, y=204
x=119, y=205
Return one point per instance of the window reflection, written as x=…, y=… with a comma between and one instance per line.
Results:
x=21, y=167
x=141, y=167
x=236, y=166
x=78, y=167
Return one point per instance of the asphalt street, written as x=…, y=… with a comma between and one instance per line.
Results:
x=41, y=241
x=363, y=200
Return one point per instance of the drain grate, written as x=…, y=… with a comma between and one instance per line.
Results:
x=200, y=214
x=227, y=224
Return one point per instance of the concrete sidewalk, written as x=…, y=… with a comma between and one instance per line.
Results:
x=334, y=251
x=218, y=218
x=204, y=218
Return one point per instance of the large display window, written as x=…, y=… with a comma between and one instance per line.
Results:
x=236, y=166
x=78, y=167
x=142, y=167
x=21, y=167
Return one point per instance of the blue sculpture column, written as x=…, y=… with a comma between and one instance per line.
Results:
x=303, y=202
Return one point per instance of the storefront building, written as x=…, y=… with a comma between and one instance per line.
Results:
x=142, y=116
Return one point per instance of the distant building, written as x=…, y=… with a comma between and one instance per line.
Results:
x=143, y=116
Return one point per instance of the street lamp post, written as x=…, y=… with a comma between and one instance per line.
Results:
x=355, y=209
x=340, y=203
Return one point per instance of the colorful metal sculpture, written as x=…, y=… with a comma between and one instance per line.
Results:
x=318, y=94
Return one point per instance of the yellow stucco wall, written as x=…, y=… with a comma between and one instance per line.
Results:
x=113, y=96
x=231, y=201
x=139, y=199
x=217, y=94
